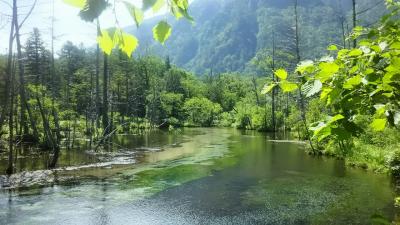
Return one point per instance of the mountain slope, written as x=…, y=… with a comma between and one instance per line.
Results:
x=228, y=33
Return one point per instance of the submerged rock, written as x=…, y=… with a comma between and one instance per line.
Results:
x=148, y=149
x=26, y=179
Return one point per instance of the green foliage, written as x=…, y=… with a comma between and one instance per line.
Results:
x=287, y=86
x=282, y=74
x=268, y=88
x=354, y=82
x=116, y=37
x=252, y=117
x=76, y=3
x=162, y=31
x=136, y=13
x=202, y=112
x=92, y=9
x=394, y=164
x=37, y=60
x=172, y=105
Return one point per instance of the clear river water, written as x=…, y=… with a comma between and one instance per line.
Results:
x=195, y=176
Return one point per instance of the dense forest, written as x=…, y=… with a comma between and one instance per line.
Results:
x=324, y=74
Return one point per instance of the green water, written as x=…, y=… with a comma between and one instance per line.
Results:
x=201, y=176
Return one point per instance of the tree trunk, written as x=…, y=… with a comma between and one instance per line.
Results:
x=106, y=126
x=254, y=81
x=10, y=167
x=301, y=97
x=98, y=104
x=53, y=79
x=343, y=33
x=48, y=134
x=273, y=79
x=354, y=21
x=24, y=100
x=4, y=105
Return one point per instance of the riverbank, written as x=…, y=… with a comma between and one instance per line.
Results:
x=377, y=152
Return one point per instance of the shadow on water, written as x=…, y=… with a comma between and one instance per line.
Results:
x=209, y=176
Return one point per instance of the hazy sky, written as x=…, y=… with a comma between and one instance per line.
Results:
x=68, y=25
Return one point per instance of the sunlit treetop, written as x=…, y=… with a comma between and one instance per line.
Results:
x=115, y=37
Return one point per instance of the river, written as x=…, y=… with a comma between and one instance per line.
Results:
x=197, y=176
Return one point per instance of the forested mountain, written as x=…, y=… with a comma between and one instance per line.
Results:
x=227, y=34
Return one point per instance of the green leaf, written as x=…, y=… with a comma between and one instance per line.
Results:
x=305, y=66
x=268, y=88
x=395, y=45
x=336, y=118
x=380, y=109
x=147, y=4
x=332, y=48
x=105, y=42
x=76, y=3
x=391, y=77
x=129, y=44
x=354, y=69
x=93, y=9
x=282, y=74
x=115, y=35
x=287, y=86
x=325, y=92
x=327, y=70
x=178, y=12
x=183, y=4
x=334, y=96
x=352, y=82
x=378, y=124
x=162, y=31
x=355, y=53
x=394, y=65
x=316, y=88
x=321, y=131
x=365, y=42
x=158, y=5
x=342, y=53
x=135, y=12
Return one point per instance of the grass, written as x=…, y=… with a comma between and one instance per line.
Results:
x=371, y=151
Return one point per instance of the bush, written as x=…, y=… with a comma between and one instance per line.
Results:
x=201, y=112
x=394, y=164
x=252, y=117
